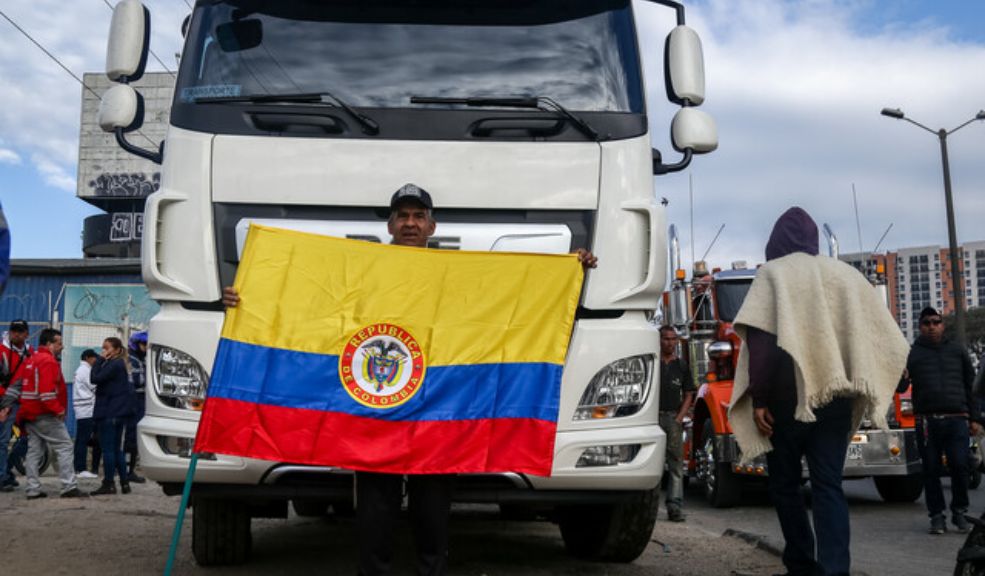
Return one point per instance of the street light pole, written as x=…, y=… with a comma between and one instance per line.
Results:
x=957, y=277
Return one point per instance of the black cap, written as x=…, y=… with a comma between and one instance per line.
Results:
x=929, y=311
x=89, y=353
x=411, y=192
x=19, y=326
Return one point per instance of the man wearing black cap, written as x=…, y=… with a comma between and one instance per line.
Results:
x=13, y=355
x=379, y=496
x=941, y=374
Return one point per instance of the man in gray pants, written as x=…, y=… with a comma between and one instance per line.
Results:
x=43, y=404
x=676, y=396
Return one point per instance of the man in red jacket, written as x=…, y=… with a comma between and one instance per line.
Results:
x=13, y=355
x=44, y=399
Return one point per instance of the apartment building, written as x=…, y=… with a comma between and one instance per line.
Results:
x=921, y=276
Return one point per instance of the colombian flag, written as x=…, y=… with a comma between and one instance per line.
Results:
x=391, y=359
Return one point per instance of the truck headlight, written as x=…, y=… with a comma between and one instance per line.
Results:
x=619, y=389
x=179, y=380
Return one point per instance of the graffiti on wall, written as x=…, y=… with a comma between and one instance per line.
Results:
x=126, y=226
x=126, y=184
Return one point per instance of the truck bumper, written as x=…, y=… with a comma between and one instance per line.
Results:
x=870, y=453
x=883, y=453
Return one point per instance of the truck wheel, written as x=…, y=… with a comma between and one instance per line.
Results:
x=612, y=532
x=310, y=508
x=723, y=489
x=344, y=509
x=899, y=488
x=517, y=512
x=220, y=531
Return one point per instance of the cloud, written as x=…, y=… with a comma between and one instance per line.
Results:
x=8, y=156
x=39, y=112
x=53, y=174
x=796, y=88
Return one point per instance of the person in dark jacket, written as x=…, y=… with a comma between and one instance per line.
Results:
x=138, y=379
x=4, y=251
x=824, y=443
x=113, y=408
x=941, y=374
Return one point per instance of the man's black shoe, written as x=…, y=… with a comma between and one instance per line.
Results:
x=124, y=487
x=36, y=495
x=136, y=479
x=7, y=488
x=74, y=493
x=104, y=490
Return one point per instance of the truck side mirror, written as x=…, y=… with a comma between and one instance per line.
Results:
x=694, y=130
x=239, y=35
x=119, y=108
x=685, y=67
x=129, y=42
x=122, y=110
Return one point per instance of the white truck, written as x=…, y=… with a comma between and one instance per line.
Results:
x=526, y=121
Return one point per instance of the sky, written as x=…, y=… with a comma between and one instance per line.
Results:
x=795, y=86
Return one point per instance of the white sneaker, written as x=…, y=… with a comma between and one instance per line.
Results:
x=86, y=475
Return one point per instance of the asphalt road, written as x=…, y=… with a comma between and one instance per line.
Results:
x=123, y=535
x=888, y=539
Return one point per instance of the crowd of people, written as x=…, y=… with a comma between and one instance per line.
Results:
x=107, y=399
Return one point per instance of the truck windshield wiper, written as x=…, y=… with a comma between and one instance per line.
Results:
x=368, y=124
x=538, y=102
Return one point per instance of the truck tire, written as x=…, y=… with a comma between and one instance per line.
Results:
x=970, y=559
x=220, y=531
x=899, y=488
x=611, y=532
x=723, y=489
x=310, y=508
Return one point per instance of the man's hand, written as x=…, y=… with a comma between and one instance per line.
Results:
x=4, y=413
x=764, y=421
x=230, y=297
x=680, y=417
x=975, y=428
x=587, y=259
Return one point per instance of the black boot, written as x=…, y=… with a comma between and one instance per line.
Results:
x=106, y=488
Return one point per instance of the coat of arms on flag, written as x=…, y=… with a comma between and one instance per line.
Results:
x=390, y=358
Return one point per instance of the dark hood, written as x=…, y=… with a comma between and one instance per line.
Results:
x=795, y=231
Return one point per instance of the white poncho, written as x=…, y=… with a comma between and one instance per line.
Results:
x=842, y=339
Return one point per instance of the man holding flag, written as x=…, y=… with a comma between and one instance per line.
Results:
x=379, y=495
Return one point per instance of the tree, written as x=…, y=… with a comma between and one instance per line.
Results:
x=974, y=327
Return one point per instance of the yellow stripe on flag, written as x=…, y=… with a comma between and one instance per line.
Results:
x=310, y=293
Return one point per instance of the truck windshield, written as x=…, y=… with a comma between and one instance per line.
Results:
x=729, y=297
x=378, y=53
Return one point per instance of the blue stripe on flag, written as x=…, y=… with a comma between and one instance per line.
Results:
x=295, y=379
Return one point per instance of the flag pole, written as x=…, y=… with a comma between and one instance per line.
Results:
x=185, y=494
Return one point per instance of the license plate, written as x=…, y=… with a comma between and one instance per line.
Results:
x=854, y=451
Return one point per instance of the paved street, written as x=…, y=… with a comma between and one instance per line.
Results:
x=888, y=539
x=129, y=534
x=87, y=537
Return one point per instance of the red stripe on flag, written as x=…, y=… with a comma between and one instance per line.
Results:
x=318, y=438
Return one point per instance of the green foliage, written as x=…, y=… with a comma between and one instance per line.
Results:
x=974, y=328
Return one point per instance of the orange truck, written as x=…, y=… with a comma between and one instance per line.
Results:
x=702, y=309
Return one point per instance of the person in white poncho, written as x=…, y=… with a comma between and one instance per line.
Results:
x=820, y=351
